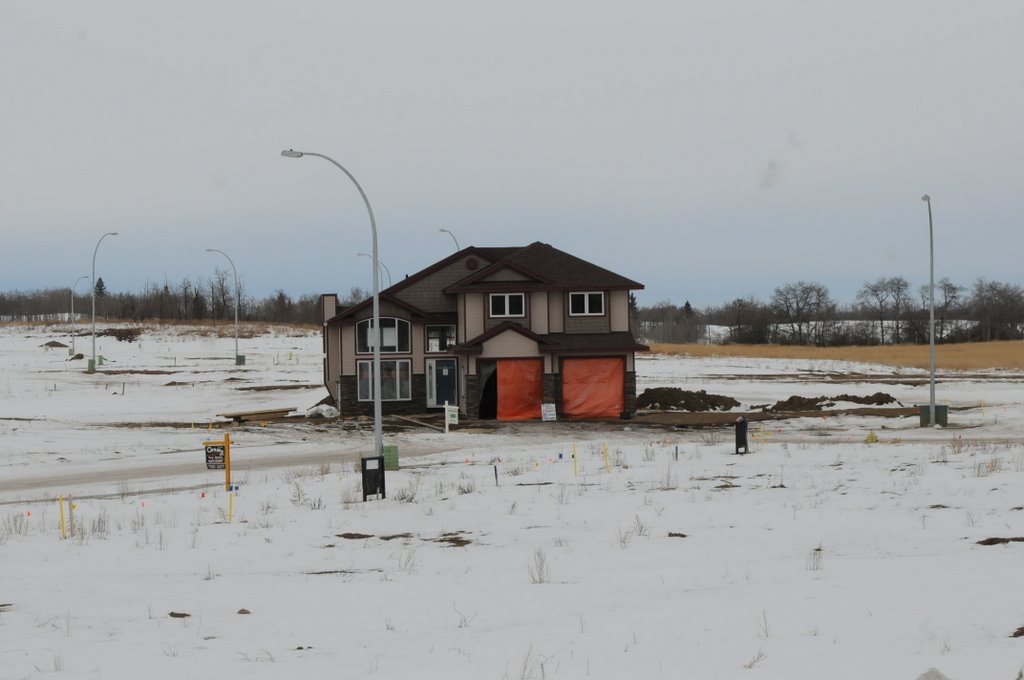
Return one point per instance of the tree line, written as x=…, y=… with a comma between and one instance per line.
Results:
x=187, y=300
x=885, y=311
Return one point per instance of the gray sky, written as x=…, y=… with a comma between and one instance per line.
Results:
x=710, y=150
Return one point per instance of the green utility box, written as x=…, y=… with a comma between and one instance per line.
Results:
x=239, y=360
x=390, y=457
x=941, y=415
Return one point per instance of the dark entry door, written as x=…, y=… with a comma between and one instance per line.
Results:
x=445, y=382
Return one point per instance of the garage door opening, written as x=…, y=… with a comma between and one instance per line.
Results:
x=593, y=388
x=513, y=391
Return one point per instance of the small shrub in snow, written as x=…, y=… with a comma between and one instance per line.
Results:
x=538, y=567
x=816, y=559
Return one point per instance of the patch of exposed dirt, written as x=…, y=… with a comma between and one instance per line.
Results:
x=798, y=403
x=54, y=344
x=122, y=334
x=1018, y=633
x=675, y=399
x=1001, y=541
x=352, y=536
x=676, y=534
x=267, y=388
x=454, y=539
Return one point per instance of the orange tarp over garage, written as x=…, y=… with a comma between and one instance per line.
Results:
x=519, y=389
x=593, y=388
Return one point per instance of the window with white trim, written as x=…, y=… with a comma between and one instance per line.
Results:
x=504, y=305
x=440, y=338
x=395, y=380
x=588, y=303
x=394, y=334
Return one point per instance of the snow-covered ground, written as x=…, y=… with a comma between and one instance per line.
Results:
x=657, y=554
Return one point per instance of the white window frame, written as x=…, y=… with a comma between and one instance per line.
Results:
x=426, y=336
x=506, y=296
x=392, y=392
x=389, y=333
x=586, y=303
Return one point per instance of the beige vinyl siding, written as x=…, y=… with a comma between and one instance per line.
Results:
x=586, y=324
x=417, y=340
x=509, y=344
x=556, y=314
x=333, y=358
x=348, y=347
x=539, y=312
x=474, y=315
x=618, y=309
x=330, y=307
x=507, y=275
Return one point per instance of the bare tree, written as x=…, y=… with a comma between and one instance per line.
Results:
x=875, y=297
x=899, y=294
x=807, y=309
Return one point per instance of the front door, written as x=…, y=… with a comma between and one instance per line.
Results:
x=442, y=382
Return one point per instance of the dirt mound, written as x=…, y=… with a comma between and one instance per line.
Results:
x=798, y=403
x=675, y=399
x=54, y=344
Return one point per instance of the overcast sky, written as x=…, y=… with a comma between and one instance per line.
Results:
x=710, y=150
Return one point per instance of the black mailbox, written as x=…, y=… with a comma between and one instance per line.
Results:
x=741, y=435
x=373, y=477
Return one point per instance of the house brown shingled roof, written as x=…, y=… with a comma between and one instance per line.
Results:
x=549, y=265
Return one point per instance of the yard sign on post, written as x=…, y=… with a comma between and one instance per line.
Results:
x=451, y=416
x=218, y=457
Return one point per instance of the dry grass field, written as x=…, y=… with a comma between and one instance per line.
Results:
x=972, y=356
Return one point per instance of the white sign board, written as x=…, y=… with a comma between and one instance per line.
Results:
x=547, y=413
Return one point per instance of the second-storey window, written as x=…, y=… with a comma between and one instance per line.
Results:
x=590, y=303
x=507, y=304
x=394, y=336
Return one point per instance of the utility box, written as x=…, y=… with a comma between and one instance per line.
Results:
x=741, y=435
x=373, y=477
x=239, y=360
x=390, y=457
x=941, y=415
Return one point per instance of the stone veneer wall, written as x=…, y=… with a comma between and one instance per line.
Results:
x=473, y=396
x=351, y=406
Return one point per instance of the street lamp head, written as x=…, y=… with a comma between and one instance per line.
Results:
x=291, y=153
x=926, y=198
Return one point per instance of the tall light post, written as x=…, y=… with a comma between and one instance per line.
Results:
x=931, y=315
x=92, y=362
x=378, y=431
x=457, y=248
x=386, y=270
x=238, y=297
x=73, y=332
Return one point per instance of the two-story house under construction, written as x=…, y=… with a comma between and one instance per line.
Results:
x=498, y=331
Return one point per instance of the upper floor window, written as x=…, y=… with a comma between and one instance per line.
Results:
x=508, y=304
x=440, y=338
x=394, y=336
x=586, y=304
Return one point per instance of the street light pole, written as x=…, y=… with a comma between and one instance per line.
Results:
x=378, y=432
x=457, y=248
x=386, y=270
x=931, y=314
x=238, y=295
x=92, y=364
x=73, y=285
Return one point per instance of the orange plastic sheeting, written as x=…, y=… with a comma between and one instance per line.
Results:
x=593, y=388
x=519, y=389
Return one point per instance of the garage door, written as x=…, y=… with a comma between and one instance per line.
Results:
x=593, y=388
x=519, y=389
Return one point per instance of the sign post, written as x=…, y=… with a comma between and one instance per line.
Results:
x=218, y=457
x=451, y=416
